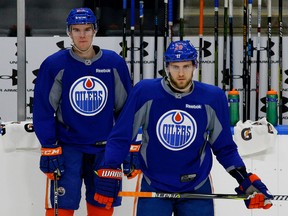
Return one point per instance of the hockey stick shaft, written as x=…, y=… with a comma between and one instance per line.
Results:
x=181, y=19
x=269, y=32
x=124, y=42
x=216, y=23
x=280, y=61
x=250, y=54
x=56, y=175
x=231, y=65
x=165, y=35
x=244, y=73
x=225, y=80
x=181, y=195
x=141, y=17
x=193, y=196
x=132, y=27
x=258, y=59
x=200, y=37
x=170, y=20
x=155, y=37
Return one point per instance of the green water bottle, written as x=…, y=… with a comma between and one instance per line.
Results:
x=271, y=107
x=233, y=100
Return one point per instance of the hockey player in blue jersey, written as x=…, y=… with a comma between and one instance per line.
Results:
x=183, y=123
x=79, y=93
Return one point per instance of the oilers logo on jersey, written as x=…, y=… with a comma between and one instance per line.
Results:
x=88, y=95
x=176, y=130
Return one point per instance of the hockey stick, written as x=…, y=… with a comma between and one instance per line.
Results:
x=250, y=55
x=165, y=26
x=124, y=42
x=155, y=37
x=216, y=7
x=201, y=8
x=141, y=17
x=258, y=58
x=56, y=175
x=132, y=28
x=269, y=31
x=170, y=20
x=193, y=196
x=225, y=80
x=162, y=71
x=181, y=26
x=231, y=44
x=280, y=62
x=244, y=73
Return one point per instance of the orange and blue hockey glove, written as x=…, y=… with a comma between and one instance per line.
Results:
x=260, y=195
x=107, y=185
x=52, y=161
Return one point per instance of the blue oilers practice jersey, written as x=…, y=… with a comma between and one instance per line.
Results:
x=180, y=131
x=76, y=100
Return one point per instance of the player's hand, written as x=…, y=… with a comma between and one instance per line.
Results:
x=107, y=185
x=52, y=161
x=131, y=167
x=260, y=195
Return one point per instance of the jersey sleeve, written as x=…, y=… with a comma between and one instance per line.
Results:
x=123, y=84
x=125, y=130
x=43, y=111
x=223, y=145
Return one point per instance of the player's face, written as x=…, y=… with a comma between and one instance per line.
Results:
x=82, y=35
x=181, y=73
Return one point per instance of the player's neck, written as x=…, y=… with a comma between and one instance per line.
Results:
x=87, y=54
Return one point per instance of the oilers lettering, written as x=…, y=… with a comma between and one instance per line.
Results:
x=88, y=95
x=176, y=133
x=176, y=130
x=88, y=100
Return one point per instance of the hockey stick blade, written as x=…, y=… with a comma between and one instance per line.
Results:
x=193, y=196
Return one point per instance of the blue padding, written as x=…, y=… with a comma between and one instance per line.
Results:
x=282, y=129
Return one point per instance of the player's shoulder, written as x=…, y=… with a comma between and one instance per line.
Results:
x=146, y=87
x=57, y=56
x=148, y=84
x=109, y=53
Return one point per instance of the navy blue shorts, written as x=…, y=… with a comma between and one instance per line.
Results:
x=79, y=167
x=180, y=207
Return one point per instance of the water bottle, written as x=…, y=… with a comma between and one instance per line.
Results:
x=233, y=100
x=271, y=107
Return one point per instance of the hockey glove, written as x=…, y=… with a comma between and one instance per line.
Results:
x=107, y=185
x=260, y=195
x=131, y=163
x=52, y=161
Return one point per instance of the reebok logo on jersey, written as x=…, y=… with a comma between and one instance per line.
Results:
x=103, y=70
x=176, y=130
x=88, y=95
x=193, y=106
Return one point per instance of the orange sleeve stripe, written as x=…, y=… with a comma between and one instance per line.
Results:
x=51, y=151
x=135, y=148
x=254, y=178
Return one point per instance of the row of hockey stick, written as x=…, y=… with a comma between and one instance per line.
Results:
x=227, y=73
x=248, y=49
